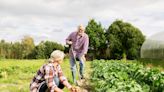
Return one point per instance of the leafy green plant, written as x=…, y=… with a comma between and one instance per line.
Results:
x=108, y=76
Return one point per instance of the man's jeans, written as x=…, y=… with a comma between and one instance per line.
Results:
x=43, y=87
x=73, y=67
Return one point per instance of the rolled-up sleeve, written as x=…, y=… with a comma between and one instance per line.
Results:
x=49, y=78
x=61, y=76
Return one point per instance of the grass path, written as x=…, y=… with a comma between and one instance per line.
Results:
x=83, y=85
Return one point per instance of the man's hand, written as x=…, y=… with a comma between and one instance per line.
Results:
x=69, y=42
x=83, y=58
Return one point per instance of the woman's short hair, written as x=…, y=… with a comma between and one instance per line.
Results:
x=57, y=55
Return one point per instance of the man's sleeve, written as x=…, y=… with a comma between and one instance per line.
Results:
x=85, y=46
x=69, y=38
x=49, y=78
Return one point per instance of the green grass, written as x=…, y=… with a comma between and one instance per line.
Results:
x=16, y=75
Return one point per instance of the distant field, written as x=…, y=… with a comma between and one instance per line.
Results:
x=15, y=75
x=153, y=62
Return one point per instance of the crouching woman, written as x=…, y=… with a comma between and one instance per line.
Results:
x=50, y=76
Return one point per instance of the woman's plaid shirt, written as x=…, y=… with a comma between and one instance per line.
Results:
x=47, y=73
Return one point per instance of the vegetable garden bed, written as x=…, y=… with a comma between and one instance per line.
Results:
x=118, y=76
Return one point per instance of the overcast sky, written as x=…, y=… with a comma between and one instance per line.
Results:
x=55, y=19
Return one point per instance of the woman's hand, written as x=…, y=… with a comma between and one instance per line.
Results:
x=74, y=89
x=58, y=90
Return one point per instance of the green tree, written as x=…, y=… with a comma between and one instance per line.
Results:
x=17, y=51
x=125, y=40
x=38, y=52
x=27, y=45
x=5, y=49
x=2, y=49
x=97, y=40
x=44, y=49
x=50, y=46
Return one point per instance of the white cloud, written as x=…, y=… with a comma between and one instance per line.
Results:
x=55, y=19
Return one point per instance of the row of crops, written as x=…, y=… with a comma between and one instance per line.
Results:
x=118, y=76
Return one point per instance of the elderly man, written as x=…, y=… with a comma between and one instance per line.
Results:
x=50, y=76
x=79, y=42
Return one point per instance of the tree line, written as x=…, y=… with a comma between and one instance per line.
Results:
x=26, y=49
x=121, y=40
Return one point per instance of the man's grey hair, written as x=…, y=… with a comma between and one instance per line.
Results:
x=81, y=27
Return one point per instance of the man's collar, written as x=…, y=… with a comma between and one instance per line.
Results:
x=81, y=35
